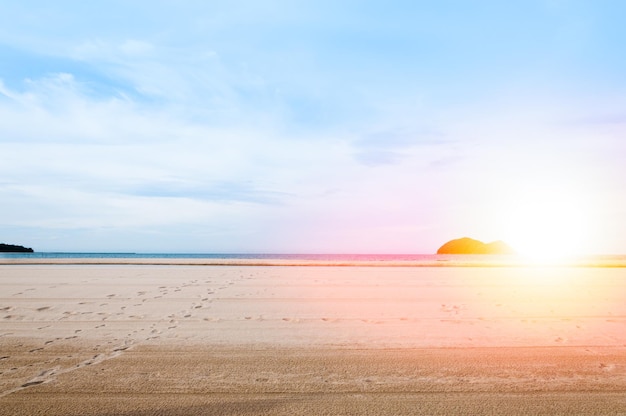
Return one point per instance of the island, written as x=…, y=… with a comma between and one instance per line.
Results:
x=10, y=248
x=468, y=245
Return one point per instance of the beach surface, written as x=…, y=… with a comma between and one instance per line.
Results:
x=185, y=338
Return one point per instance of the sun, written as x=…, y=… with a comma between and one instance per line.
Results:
x=547, y=224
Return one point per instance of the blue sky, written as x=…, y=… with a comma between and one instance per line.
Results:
x=282, y=126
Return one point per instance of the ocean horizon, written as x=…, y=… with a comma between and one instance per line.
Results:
x=357, y=259
x=182, y=255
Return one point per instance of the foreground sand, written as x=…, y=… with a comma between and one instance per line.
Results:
x=229, y=340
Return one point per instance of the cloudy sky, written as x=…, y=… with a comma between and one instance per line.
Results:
x=312, y=126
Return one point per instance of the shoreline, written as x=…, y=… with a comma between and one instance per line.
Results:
x=448, y=261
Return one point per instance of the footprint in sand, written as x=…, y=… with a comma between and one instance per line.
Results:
x=124, y=348
x=32, y=383
x=96, y=358
x=607, y=367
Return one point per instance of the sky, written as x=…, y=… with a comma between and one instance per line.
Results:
x=312, y=126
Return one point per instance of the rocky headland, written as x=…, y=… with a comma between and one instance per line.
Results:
x=10, y=248
x=468, y=245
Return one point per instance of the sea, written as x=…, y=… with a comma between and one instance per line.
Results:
x=227, y=256
x=428, y=260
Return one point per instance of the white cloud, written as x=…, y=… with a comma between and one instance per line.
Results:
x=79, y=162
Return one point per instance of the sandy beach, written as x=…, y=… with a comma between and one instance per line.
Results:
x=184, y=339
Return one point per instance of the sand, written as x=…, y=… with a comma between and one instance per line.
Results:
x=184, y=339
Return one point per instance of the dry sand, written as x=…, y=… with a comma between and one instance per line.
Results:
x=227, y=340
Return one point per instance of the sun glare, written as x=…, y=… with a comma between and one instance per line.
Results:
x=548, y=226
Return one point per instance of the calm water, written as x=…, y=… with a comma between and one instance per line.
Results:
x=413, y=259
x=243, y=256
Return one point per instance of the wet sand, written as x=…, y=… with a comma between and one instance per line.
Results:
x=180, y=339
